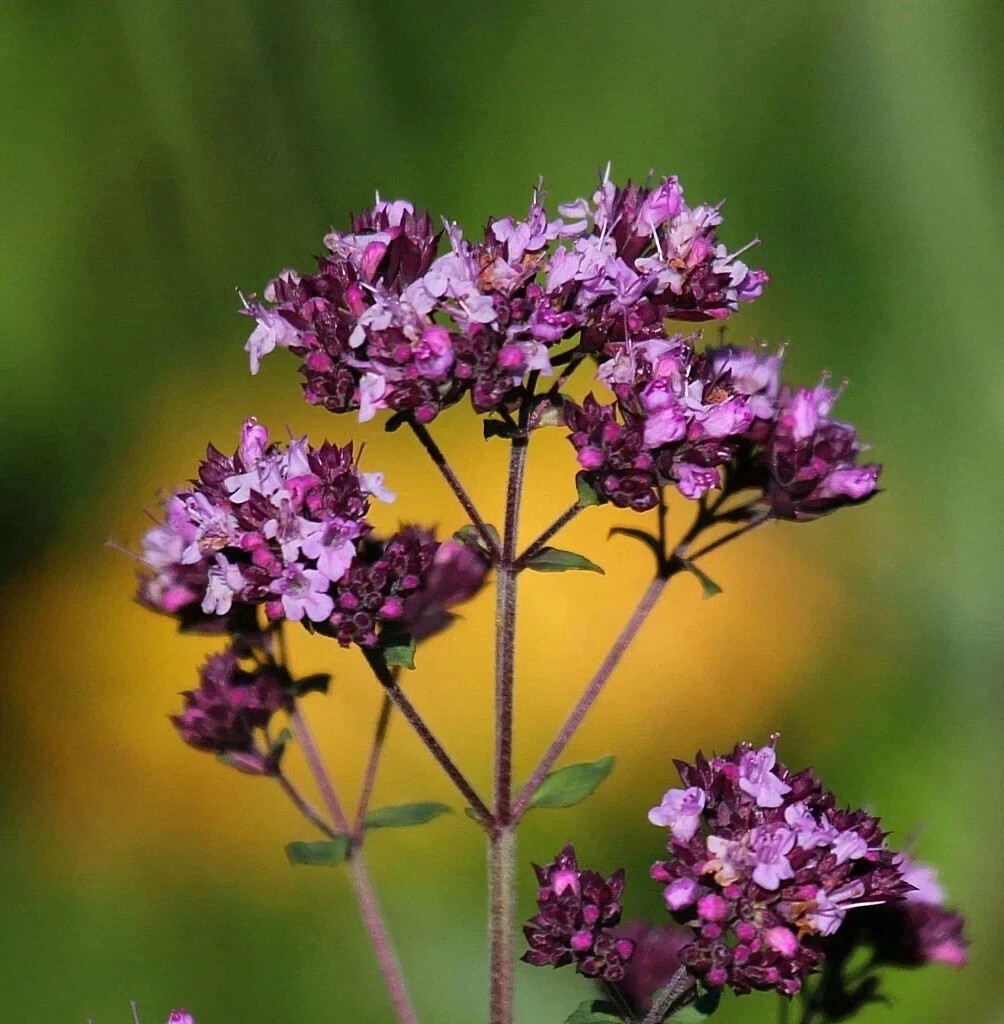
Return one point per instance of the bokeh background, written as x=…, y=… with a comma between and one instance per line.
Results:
x=156, y=154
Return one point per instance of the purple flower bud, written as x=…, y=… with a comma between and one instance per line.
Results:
x=180, y=1017
x=577, y=911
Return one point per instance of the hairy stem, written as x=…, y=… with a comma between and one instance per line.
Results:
x=502, y=918
x=437, y=456
x=502, y=843
x=304, y=806
x=369, y=776
x=668, y=997
x=415, y=720
x=591, y=692
x=563, y=520
x=362, y=884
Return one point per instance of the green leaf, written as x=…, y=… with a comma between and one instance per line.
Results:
x=556, y=560
x=319, y=853
x=710, y=586
x=569, y=786
x=699, y=1010
x=588, y=494
x=652, y=543
x=595, y=1011
x=548, y=411
x=403, y=815
x=498, y=428
x=317, y=683
x=471, y=536
x=399, y=650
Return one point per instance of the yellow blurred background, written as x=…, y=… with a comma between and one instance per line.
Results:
x=156, y=155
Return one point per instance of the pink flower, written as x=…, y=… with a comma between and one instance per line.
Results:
x=680, y=812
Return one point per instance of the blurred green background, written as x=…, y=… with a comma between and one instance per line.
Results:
x=156, y=154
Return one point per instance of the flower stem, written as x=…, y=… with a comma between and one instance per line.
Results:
x=369, y=777
x=304, y=807
x=502, y=841
x=437, y=456
x=362, y=884
x=591, y=692
x=502, y=922
x=563, y=520
x=670, y=994
x=415, y=720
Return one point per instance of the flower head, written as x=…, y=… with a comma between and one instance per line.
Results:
x=577, y=912
x=231, y=704
x=278, y=527
x=763, y=866
x=388, y=322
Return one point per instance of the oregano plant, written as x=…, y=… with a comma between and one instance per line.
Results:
x=769, y=883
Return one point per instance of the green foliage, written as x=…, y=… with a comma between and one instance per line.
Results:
x=588, y=494
x=710, y=587
x=569, y=786
x=319, y=852
x=402, y=815
x=556, y=560
x=594, y=1011
x=399, y=650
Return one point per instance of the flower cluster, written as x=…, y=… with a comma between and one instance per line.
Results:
x=389, y=323
x=682, y=417
x=763, y=865
x=577, y=912
x=285, y=528
x=231, y=705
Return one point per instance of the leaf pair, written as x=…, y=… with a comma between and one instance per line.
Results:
x=327, y=852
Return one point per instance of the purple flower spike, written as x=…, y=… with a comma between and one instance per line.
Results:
x=577, y=912
x=769, y=872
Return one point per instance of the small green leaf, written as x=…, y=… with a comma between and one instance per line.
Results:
x=588, y=494
x=317, y=683
x=697, y=1011
x=399, y=650
x=710, y=586
x=569, y=786
x=471, y=536
x=652, y=543
x=403, y=815
x=548, y=411
x=498, y=428
x=595, y=1011
x=319, y=853
x=556, y=560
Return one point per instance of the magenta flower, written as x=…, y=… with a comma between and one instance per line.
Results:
x=680, y=812
x=230, y=705
x=180, y=1017
x=273, y=526
x=757, y=779
x=770, y=869
x=577, y=912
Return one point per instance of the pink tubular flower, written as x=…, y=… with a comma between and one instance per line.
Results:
x=771, y=869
